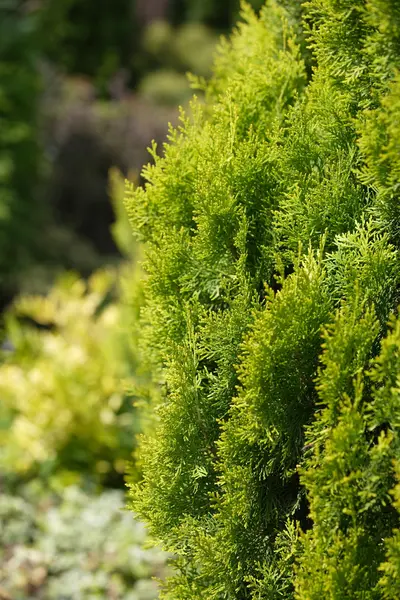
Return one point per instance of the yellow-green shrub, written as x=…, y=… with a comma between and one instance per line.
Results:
x=63, y=385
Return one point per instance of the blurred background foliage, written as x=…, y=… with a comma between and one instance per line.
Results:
x=62, y=386
x=20, y=156
x=84, y=88
x=66, y=543
x=71, y=370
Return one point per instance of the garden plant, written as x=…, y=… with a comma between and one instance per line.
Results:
x=270, y=225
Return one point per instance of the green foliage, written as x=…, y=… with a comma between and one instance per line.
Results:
x=165, y=87
x=391, y=567
x=72, y=41
x=213, y=12
x=72, y=544
x=19, y=153
x=188, y=47
x=172, y=52
x=350, y=475
x=271, y=250
x=379, y=142
x=70, y=374
x=64, y=395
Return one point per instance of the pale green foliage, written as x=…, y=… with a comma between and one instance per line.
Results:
x=271, y=251
x=71, y=544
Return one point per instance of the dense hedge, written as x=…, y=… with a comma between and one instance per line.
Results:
x=271, y=228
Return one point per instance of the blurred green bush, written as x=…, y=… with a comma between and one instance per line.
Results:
x=69, y=377
x=75, y=545
x=170, y=53
x=94, y=39
x=20, y=213
x=67, y=366
x=189, y=47
x=64, y=400
x=98, y=39
x=216, y=14
x=165, y=87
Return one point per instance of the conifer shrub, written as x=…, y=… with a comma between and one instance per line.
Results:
x=270, y=225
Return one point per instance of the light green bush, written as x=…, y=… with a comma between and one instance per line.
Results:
x=193, y=48
x=176, y=51
x=64, y=398
x=165, y=87
x=271, y=248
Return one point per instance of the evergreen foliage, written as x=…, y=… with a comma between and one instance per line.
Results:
x=270, y=227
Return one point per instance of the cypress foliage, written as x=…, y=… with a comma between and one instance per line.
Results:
x=271, y=236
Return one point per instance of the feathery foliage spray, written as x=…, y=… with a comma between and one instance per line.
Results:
x=271, y=231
